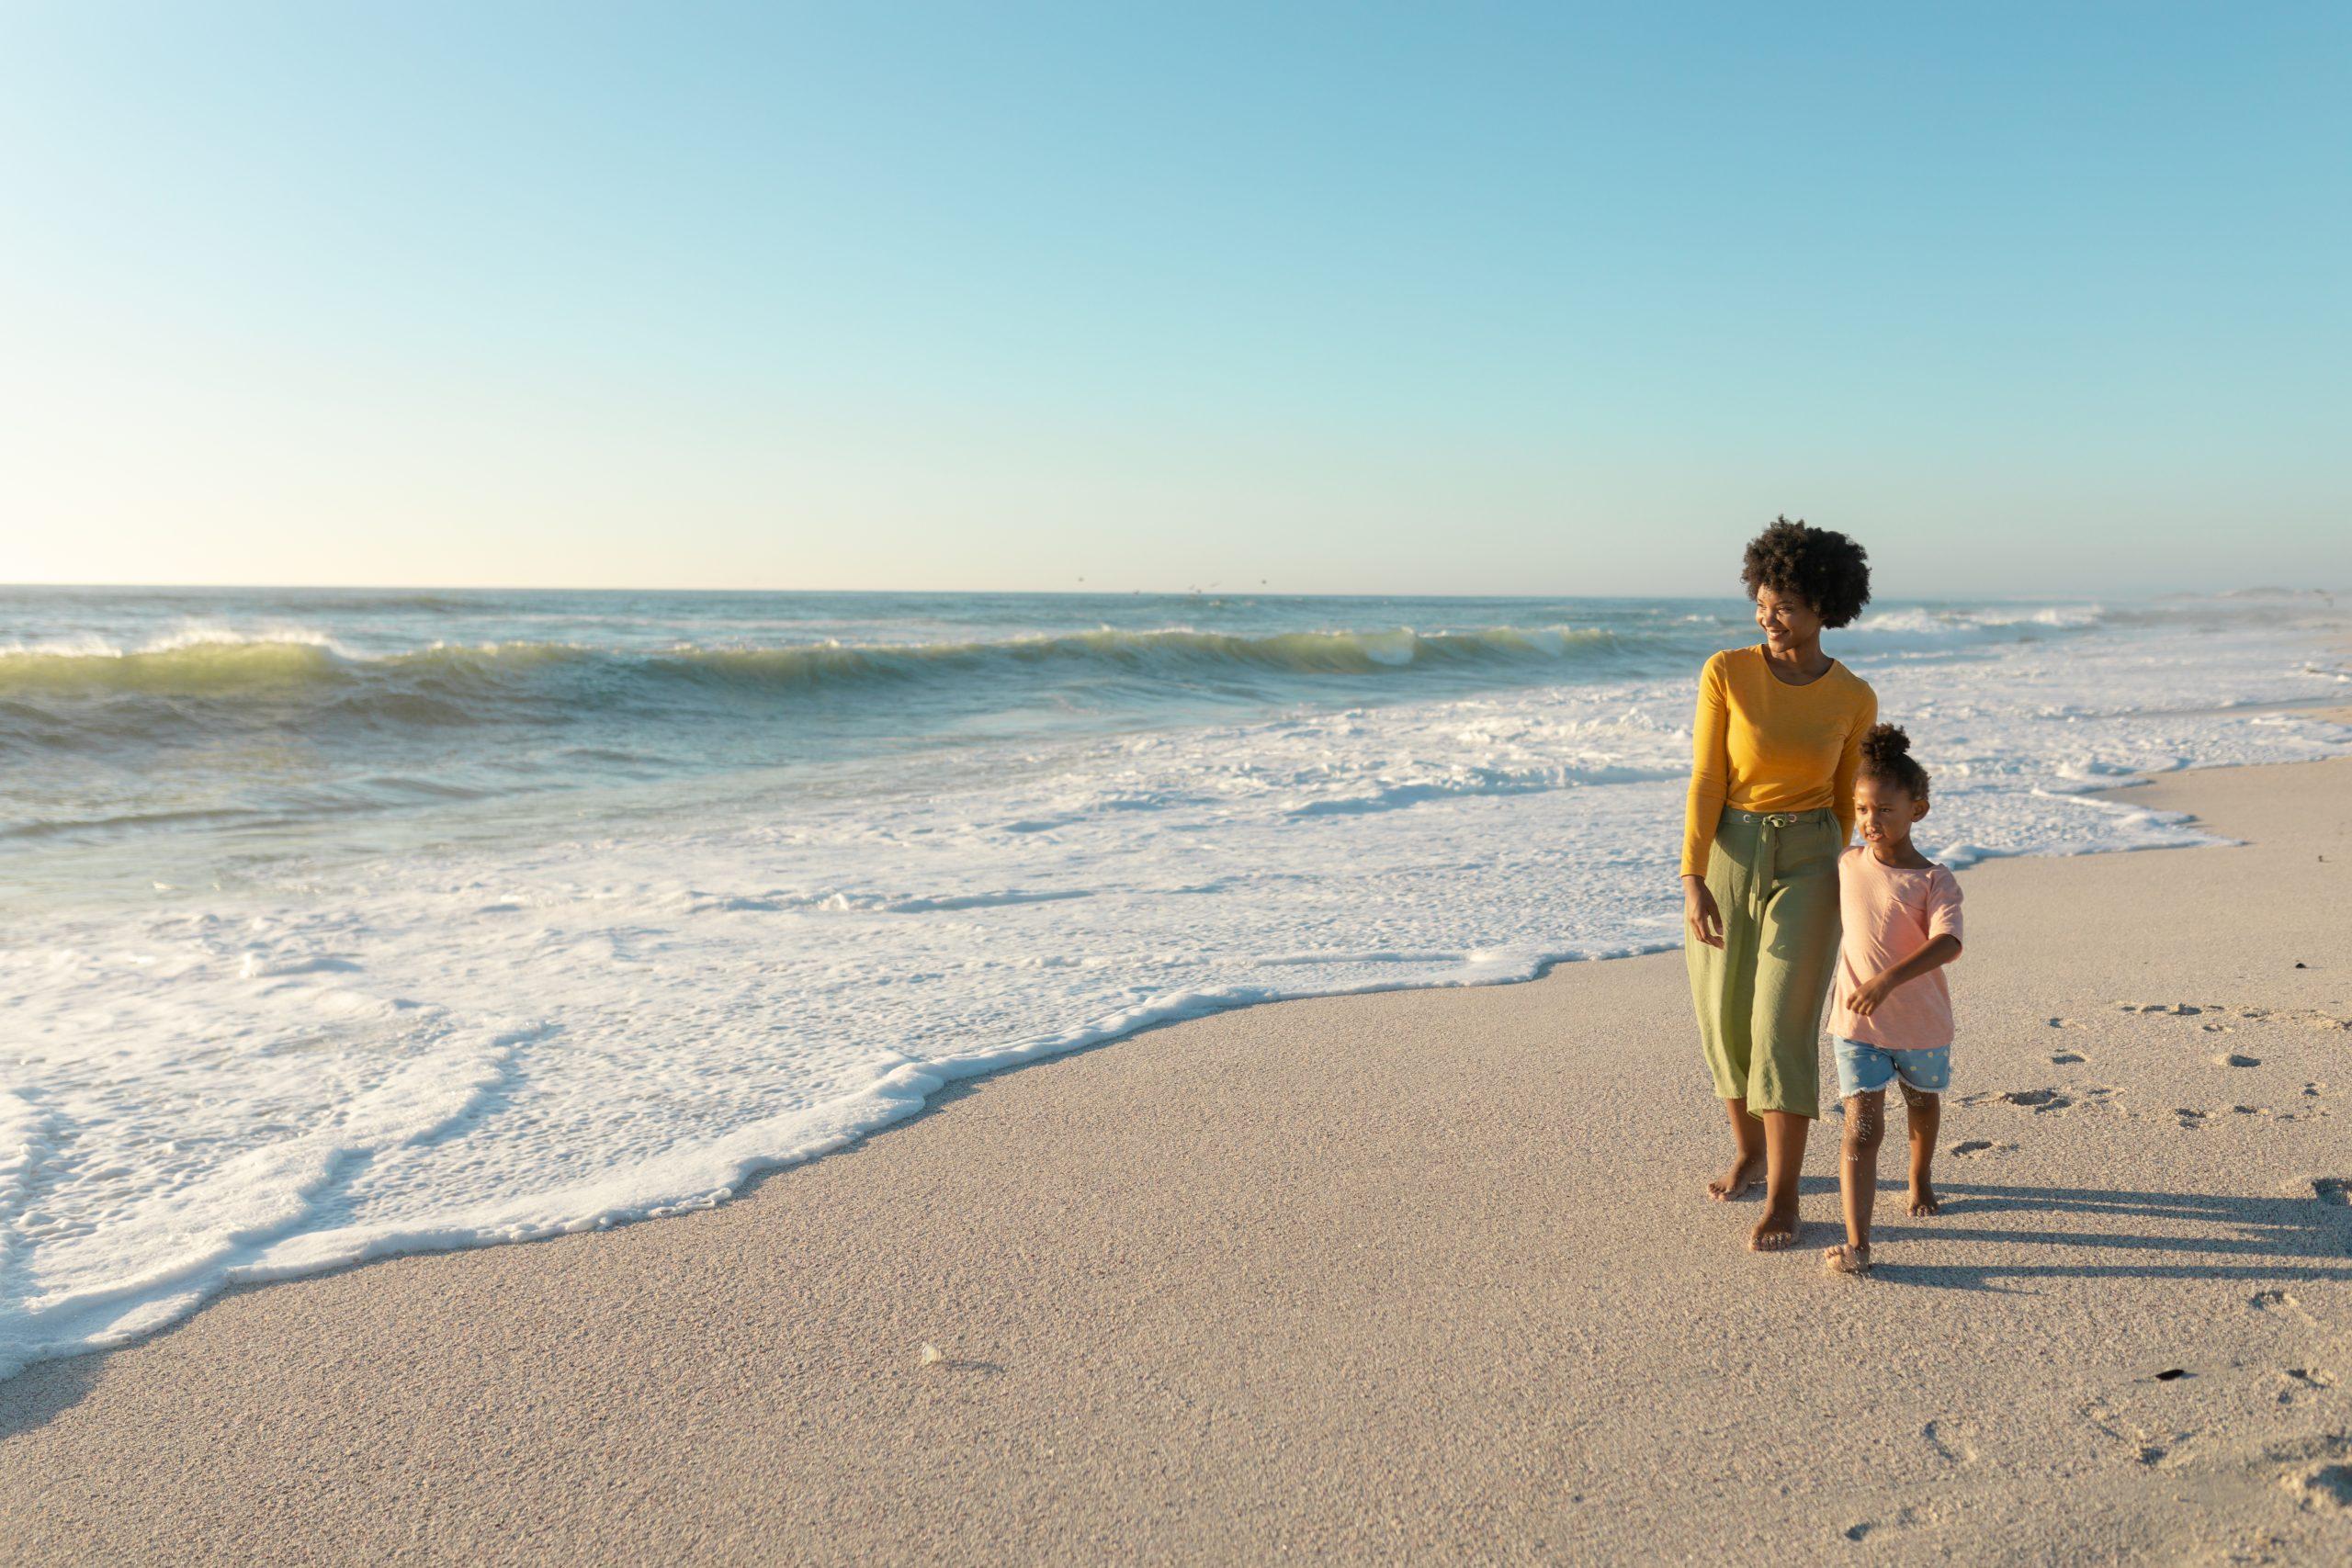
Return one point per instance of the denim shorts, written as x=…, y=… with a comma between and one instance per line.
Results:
x=1865, y=1069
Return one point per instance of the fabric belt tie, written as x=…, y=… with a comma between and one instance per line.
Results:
x=1770, y=820
x=1773, y=818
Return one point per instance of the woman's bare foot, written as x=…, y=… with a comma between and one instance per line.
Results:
x=1843, y=1258
x=1924, y=1200
x=1776, y=1230
x=1744, y=1172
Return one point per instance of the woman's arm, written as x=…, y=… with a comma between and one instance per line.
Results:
x=1710, y=783
x=1850, y=768
x=1710, y=768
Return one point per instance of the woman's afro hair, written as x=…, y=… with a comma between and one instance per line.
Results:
x=1886, y=755
x=1828, y=571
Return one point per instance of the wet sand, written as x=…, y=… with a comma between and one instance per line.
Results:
x=1421, y=1274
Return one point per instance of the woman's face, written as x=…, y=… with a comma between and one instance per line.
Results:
x=1788, y=622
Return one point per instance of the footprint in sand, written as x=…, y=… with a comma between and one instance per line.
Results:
x=2066, y=1024
x=1977, y=1148
x=2065, y=1059
x=2307, y=1017
x=2158, y=1450
x=2196, y=1120
x=2321, y=1488
x=2282, y=1302
x=1952, y=1440
x=2081, y=1098
x=1862, y=1529
x=2323, y=1485
x=2233, y=1059
x=2303, y=1385
x=2303, y=1018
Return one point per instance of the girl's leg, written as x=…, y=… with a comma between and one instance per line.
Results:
x=1784, y=1137
x=1858, y=1178
x=1925, y=1115
x=1747, y=1155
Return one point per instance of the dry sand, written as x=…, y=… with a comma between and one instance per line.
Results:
x=1426, y=1274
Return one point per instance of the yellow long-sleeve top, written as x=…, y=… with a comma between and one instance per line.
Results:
x=1759, y=744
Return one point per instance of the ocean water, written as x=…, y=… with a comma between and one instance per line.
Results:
x=344, y=923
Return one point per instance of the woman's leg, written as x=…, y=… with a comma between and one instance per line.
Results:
x=1721, y=987
x=1747, y=1160
x=1796, y=951
x=1785, y=1140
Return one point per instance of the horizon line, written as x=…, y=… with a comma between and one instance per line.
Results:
x=2248, y=591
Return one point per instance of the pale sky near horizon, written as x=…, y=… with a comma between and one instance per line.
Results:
x=1344, y=298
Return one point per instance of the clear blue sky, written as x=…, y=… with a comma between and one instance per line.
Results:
x=1442, y=297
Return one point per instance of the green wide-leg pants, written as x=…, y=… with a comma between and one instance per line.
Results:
x=1759, y=997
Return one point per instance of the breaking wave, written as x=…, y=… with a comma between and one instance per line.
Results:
x=57, y=692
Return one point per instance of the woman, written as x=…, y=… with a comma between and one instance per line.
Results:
x=1776, y=745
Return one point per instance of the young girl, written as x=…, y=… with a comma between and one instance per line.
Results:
x=1892, y=1018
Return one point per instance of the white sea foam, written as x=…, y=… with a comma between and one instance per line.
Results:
x=187, y=634
x=630, y=1011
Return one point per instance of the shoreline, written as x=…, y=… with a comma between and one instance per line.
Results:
x=545, y=984
x=914, y=1090
x=1111, y=1263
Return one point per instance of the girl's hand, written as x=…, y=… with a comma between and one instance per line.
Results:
x=1869, y=993
x=1699, y=912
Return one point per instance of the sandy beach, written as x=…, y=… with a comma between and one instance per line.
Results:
x=837, y=784
x=1425, y=1274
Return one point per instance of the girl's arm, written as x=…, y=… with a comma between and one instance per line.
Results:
x=1939, y=952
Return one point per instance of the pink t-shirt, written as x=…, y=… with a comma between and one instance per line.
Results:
x=1890, y=912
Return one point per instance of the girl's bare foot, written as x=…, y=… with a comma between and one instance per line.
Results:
x=1776, y=1230
x=1924, y=1200
x=1843, y=1258
x=1744, y=1172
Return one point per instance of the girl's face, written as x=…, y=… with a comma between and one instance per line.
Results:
x=1787, y=621
x=1884, y=811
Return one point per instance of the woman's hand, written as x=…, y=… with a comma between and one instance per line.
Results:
x=1699, y=912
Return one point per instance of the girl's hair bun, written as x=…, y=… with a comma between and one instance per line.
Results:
x=1886, y=755
x=1885, y=742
